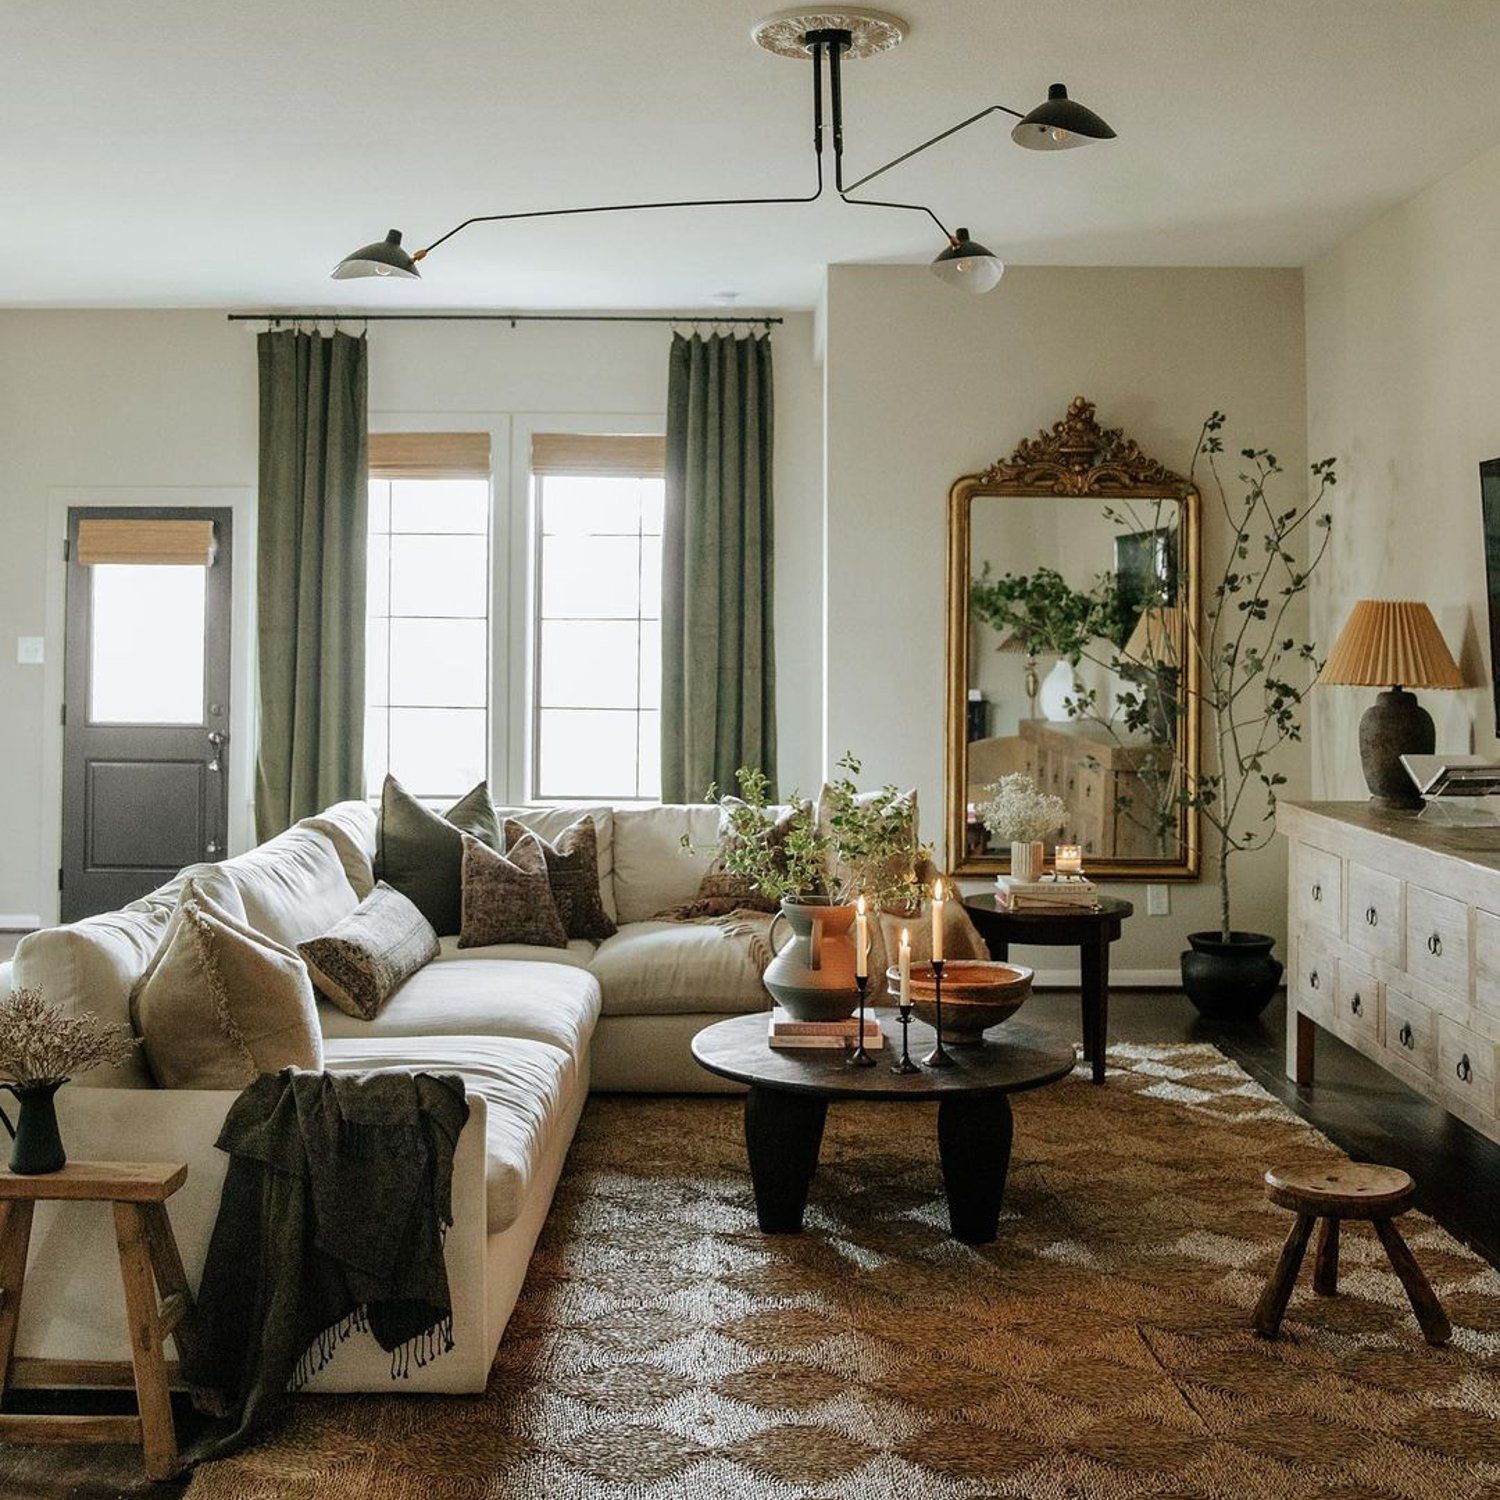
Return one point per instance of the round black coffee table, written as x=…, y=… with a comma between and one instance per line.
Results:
x=790, y=1092
x=1091, y=932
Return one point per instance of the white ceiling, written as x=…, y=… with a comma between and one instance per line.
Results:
x=182, y=153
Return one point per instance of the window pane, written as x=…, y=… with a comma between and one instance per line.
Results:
x=651, y=577
x=377, y=644
x=439, y=575
x=146, y=655
x=377, y=576
x=653, y=499
x=587, y=753
x=437, y=752
x=650, y=757
x=453, y=505
x=588, y=663
x=650, y=667
x=579, y=505
x=591, y=578
x=377, y=727
x=439, y=662
x=380, y=505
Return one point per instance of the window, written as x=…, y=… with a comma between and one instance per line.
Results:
x=427, y=643
x=596, y=726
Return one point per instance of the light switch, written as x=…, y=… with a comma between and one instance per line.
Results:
x=30, y=650
x=1158, y=901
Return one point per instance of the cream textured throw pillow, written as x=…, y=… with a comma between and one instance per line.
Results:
x=359, y=963
x=221, y=1004
x=507, y=898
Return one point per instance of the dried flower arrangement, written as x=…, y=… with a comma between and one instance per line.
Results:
x=41, y=1045
x=1017, y=811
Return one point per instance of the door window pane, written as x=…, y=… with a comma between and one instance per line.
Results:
x=146, y=646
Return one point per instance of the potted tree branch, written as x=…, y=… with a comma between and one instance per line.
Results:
x=1255, y=671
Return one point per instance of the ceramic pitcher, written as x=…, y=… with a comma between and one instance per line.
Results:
x=812, y=975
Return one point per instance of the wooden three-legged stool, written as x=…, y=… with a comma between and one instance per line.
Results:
x=1344, y=1190
x=149, y=1265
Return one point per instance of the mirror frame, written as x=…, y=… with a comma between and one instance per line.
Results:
x=1076, y=459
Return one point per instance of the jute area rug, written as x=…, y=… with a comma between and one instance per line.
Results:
x=663, y=1349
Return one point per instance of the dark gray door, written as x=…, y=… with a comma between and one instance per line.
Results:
x=145, y=717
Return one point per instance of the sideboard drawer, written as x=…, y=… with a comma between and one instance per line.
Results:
x=1466, y=1064
x=1437, y=940
x=1318, y=889
x=1487, y=961
x=1374, y=912
x=1356, y=1003
x=1410, y=1030
x=1316, y=978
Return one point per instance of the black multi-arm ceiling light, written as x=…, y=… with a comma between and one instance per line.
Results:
x=827, y=37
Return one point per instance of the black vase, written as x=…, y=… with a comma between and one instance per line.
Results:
x=38, y=1144
x=1230, y=980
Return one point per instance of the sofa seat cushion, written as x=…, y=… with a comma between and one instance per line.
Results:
x=579, y=953
x=673, y=968
x=526, y=1085
x=463, y=996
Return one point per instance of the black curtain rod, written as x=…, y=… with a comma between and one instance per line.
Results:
x=512, y=318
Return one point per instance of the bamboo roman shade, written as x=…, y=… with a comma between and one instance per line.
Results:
x=606, y=455
x=1391, y=643
x=133, y=539
x=429, y=455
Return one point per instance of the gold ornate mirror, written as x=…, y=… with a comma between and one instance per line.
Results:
x=1072, y=630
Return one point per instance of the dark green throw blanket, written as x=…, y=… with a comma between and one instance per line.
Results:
x=338, y=1195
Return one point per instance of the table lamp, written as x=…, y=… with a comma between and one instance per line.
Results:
x=1393, y=644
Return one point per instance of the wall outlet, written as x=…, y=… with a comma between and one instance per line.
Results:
x=1158, y=900
x=30, y=650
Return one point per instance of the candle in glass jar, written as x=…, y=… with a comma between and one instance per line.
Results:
x=937, y=921
x=1068, y=860
x=905, y=960
x=861, y=941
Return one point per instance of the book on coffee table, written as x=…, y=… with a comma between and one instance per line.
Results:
x=1050, y=893
x=783, y=1032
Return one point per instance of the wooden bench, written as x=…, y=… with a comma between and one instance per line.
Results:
x=150, y=1267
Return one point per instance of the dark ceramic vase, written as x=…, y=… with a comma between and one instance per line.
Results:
x=38, y=1144
x=1233, y=980
x=1395, y=724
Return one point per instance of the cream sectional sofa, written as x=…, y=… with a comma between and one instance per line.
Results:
x=529, y=1029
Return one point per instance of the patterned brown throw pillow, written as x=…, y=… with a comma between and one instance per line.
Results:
x=720, y=892
x=381, y=943
x=573, y=871
x=507, y=898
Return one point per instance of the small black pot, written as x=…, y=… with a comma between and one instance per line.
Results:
x=1230, y=981
x=38, y=1143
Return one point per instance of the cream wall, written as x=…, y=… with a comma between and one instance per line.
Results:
x=150, y=406
x=1403, y=374
x=923, y=386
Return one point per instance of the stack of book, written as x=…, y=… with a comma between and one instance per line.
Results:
x=1049, y=893
x=785, y=1033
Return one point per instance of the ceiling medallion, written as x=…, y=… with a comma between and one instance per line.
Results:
x=870, y=31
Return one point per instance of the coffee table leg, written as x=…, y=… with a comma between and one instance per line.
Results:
x=783, y=1132
x=1094, y=955
x=974, y=1138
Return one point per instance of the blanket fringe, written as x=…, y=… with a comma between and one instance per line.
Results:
x=424, y=1348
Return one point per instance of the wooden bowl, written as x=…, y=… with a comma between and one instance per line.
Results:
x=976, y=995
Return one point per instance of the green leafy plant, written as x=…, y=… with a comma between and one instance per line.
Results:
x=1046, y=614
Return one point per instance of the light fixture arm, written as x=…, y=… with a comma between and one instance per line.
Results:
x=896, y=161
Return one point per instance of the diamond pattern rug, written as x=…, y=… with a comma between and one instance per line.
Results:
x=663, y=1349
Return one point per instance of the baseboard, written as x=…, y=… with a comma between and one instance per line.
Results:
x=1119, y=979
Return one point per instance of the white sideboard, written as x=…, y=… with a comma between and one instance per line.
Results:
x=1394, y=928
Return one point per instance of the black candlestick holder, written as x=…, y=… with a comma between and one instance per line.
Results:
x=859, y=1058
x=906, y=1065
x=938, y=1057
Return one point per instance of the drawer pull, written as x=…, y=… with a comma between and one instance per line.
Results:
x=1372, y=917
x=1435, y=946
x=1406, y=1038
x=1317, y=892
x=1357, y=1006
x=1464, y=1071
x=1312, y=980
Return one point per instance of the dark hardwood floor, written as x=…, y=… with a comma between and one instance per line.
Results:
x=1363, y=1109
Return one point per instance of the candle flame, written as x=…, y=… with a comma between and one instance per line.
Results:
x=859, y=906
x=905, y=938
x=937, y=890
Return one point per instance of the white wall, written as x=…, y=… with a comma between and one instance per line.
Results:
x=164, y=401
x=923, y=386
x=1403, y=373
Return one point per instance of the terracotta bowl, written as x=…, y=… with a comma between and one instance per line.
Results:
x=976, y=995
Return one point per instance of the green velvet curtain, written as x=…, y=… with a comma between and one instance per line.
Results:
x=718, y=691
x=310, y=583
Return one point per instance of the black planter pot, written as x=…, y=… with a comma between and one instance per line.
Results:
x=38, y=1143
x=1230, y=981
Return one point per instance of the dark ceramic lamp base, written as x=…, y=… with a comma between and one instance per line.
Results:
x=1393, y=726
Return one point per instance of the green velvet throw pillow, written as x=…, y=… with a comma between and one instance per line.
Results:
x=421, y=854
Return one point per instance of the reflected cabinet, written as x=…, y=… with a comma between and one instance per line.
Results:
x=1072, y=650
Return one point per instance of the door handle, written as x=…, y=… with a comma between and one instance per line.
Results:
x=216, y=740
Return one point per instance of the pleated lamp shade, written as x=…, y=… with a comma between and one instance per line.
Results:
x=1391, y=643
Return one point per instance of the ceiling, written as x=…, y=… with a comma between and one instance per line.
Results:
x=177, y=153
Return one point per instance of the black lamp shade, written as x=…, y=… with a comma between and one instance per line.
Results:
x=383, y=258
x=967, y=264
x=1059, y=124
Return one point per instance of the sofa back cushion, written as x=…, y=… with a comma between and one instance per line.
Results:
x=549, y=823
x=652, y=869
x=351, y=827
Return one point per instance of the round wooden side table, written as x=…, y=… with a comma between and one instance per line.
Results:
x=1091, y=932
